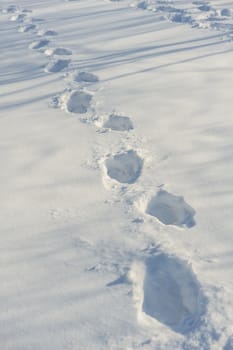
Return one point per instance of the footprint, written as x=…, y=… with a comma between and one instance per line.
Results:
x=199, y=2
x=124, y=167
x=26, y=28
x=57, y=65
x=169, y=9
x=182, y=18
x=76, y=101
x=205, y=8
x=38, y=44
x=171, y=293
x=229, y=344
x=42, y=32
x=10, y=9
x=59, y=51
x=86, y=77
x=226, y=12
x=26, y=11
x=171, y=210
x=20, y=17
x=142, y=5
x=118, y=123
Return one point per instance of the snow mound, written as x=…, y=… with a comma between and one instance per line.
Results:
x=125, y=167
x=118, y=123
x=76, y=101
x=57, y=65
x=38, y=44
x=86, y=77
x=171, y=209
x=59, y=51
x=171, y=293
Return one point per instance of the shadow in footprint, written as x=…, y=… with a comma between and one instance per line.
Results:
x=77, y=102
x=172, y=293
x=58, y=51
x=26, y=28
x=171, y=209
x=11, y=9
x=118, y=123
x=18, y=17
x=46, y=32
x=229, y=344
x=125, y=167
x=86, y=77
x=38, y=44
x=57, y=66
x=205, y=8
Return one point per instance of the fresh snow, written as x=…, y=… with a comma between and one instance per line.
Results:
x=116, y=180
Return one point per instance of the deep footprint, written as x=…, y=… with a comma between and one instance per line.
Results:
x=118, y=123
x=172, y=293
x=26, y=28
x=46, y=33
x=86, y=77
x=38, y=44
x=10, y=9
x=229, y=344
x=125, y=167
x=205, y=8
x=18, y=17
x=171, y=210
x=59, y=51
x=76, y=102
x=57, y=66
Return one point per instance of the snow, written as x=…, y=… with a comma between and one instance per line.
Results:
x=116, y=178
x=124, y=167
x=171, y=210
x=118, y=123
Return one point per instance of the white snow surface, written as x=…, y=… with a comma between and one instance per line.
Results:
x=116, y=177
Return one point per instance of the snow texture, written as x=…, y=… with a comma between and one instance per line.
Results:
x=130, y=265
